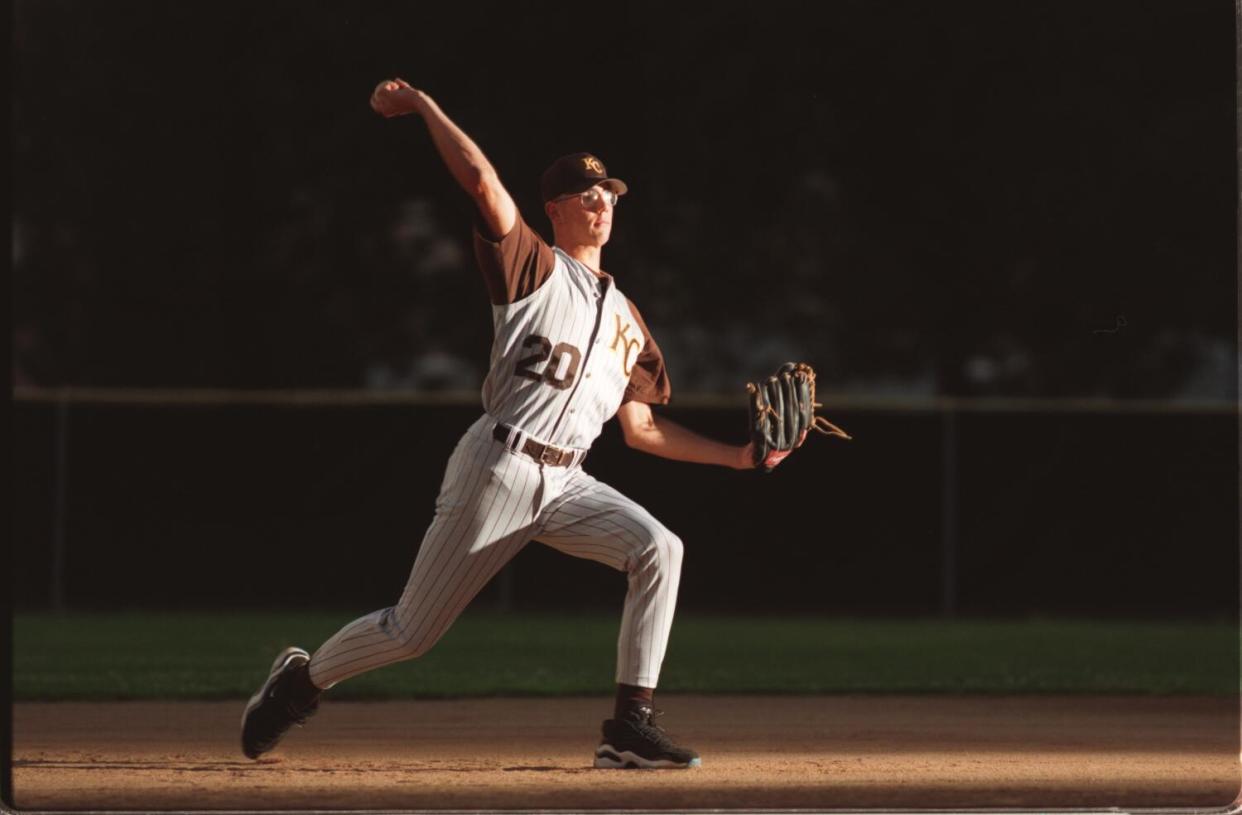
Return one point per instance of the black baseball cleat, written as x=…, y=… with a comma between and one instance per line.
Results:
x=276, y=707
x=637, y=742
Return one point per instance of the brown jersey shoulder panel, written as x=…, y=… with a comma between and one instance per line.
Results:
x=649, y=378
x=514, y=265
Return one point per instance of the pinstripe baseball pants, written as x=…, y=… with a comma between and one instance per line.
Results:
x=492, y=502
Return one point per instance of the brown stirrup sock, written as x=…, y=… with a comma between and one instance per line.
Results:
x=630, y=698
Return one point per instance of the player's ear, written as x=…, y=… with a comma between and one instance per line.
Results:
x=550, y=210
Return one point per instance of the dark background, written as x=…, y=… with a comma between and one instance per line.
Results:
x=944, y=197
x=1094, y=515
x=921, y=199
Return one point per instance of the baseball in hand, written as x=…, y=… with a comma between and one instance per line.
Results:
x=394, y=97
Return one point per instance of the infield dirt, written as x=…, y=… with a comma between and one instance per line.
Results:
x=758, y=752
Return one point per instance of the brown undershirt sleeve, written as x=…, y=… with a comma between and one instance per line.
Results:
x=514, y=265
x=648, y=378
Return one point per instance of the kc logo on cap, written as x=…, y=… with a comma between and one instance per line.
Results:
x=574, y=173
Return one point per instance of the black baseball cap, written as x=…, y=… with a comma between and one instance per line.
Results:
x=577, y=172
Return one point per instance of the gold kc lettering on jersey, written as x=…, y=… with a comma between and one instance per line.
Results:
x=630, y=345
x=592, y=164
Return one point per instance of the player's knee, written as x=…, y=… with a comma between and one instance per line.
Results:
x=664, y=552
x=415, y=650
x=411, y=642
x=411, y=648
x=658, y=554
x=674, y=551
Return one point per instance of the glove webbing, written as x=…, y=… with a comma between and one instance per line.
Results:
x=818, y=422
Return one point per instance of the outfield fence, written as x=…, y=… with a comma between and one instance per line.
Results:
x=70, y=412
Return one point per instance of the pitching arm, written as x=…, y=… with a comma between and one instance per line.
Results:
x=465, y=161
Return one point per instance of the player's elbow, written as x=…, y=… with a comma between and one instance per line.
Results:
x=484, y=185
x=636, y=441
x=638, y=426
x=494, y=204
x=477, y=185
x=640, y=437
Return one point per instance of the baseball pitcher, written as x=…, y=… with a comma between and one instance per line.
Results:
x=570, y=352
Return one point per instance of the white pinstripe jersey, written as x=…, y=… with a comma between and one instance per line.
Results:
x=563, y=356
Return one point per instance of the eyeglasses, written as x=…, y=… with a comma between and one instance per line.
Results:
x=590, y=198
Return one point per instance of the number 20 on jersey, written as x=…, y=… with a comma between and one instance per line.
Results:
x=553, y=360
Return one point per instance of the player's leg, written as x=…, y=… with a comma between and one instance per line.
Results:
x=484, y=516
x=592, y=520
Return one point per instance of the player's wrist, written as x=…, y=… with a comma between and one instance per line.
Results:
x=421, y=103
x=743, y=458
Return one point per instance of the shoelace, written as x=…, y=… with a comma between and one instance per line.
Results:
x=655, y=731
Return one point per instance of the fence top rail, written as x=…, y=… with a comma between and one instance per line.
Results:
x=208, y=397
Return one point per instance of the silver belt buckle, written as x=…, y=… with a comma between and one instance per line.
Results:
x=550, y=456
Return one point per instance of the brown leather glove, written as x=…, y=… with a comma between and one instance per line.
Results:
x=781, y=411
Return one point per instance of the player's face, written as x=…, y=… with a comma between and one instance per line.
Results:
x=585, y=217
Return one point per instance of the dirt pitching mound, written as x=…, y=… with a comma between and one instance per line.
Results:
x=758, y=753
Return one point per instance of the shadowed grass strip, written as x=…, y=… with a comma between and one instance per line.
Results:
x=161, y=655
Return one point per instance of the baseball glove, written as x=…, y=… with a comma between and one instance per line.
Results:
x=782, y=411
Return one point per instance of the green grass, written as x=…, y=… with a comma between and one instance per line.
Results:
x=224, y=656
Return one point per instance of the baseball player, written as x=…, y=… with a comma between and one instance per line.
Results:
x=570, y=352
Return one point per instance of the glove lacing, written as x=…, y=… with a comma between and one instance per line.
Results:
x=818, y=422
